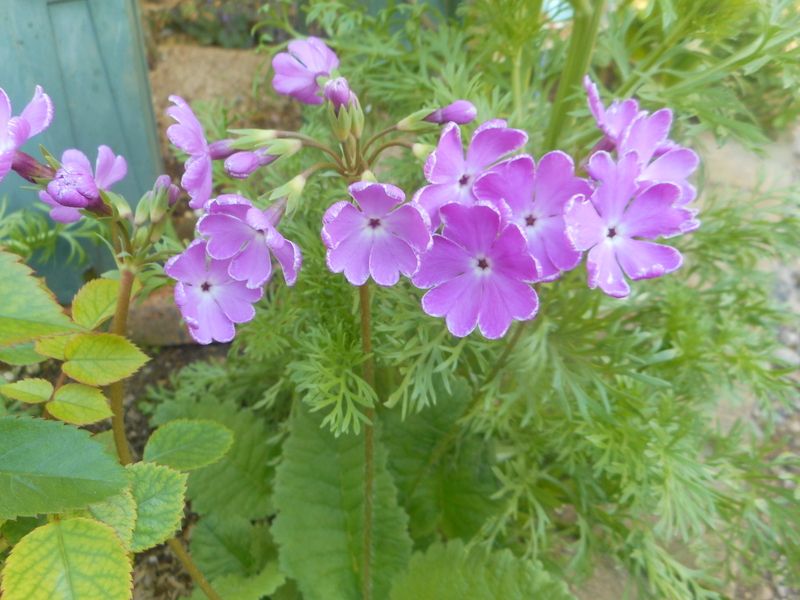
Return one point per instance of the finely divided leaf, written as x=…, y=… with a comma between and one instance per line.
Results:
x=48, y=467
x=159, y=495
x=28, y=309
x=31, y=391
x=319, y=495
x=451, y=572
x=101, y=358
x=73, y=559
x=79, y=404
x=95, y=302
x=188, y=444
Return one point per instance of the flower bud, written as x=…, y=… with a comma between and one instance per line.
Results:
x=422, y=151
x=290, y=192
x=74, y=188
x=250, y=139
x=338, y=93
x=142, y=213
x=29, y=168
x=173, y=191
x=460, y=111
x=243, y=164
x=368, y=176
x=221, y=149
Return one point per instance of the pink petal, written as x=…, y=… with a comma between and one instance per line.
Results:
x=227, y=235
x=504, y=300
x=446, y=163
x=458, y=300
x=510, y=255
x=646, y=134
x=389, y=257
x=432, y=197
x=645, y=260
x=547, y=270
x=5, y=109
x=584, y=227
x=212, y=322
x=38, y=113
x=253, y=264
x=472, y=227
x=604, y=270
x=75, y=159
x=340, y=221
x=445, y=260
x=236, y=301
x=196, y=180
x=109, y=169
x=558, y=246
x=351, y=256
x=376, y=199
x=653, y=213
x=490, y=144
x=617, y=183
x=410, y=223
x=511, y=181
x=190, y=265
x=556, y=183
x=188, y=133
x=290, y=259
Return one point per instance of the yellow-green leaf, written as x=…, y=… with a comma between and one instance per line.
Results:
x=20, y=355
x=119, y=513
x=159, y=495
x=95, y=302
x=53, y=346
x=79, y=404
x=101, y=358
x=187, y=444
x=32, y=391
x=73, y=559
x=28, y=309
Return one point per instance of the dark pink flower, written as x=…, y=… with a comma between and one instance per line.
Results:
x=15, y=131
x=451, y=175
x=241, y=165
x=615, y=119
x=188, y=135
x=381, y=237
x=534, y=198
x=460, y=111
x=338, y=93
x=479, y=270
x=297, y=70
x=245, y=237
x=611, y=223
x=209, y=299
x=74, y=186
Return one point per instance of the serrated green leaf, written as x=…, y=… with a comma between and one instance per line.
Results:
x=32, y=391
x=119, y=513
x=79, y=404
x=159, y=495
x=188, y=444
x=95, y=302
x=238, y=587
x=20, y=355
x=28, y=309
x=451, y=572
x=452, y=496
x=101, y=358
x=240, y=482
x=231, y=545
x=53, y=346
x=73, y=559
x=47, y=467
x=319, y=493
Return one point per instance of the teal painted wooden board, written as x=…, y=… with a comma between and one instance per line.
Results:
x=89, y=57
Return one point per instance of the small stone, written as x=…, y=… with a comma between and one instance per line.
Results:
x=788, y=356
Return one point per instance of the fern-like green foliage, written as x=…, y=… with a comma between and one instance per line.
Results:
x=319, y=494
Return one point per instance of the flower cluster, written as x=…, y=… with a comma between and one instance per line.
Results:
x=489, y=227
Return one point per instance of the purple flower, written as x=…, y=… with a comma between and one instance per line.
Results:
x=338, y=93
x=382, y=237
x=244, y=237
x=451, y=175
x=648, y=136
x=614, y=120
x=479, y=269
x=74, y=186
x=610, y=222
x=460, y=111
x=534, y=199
x=243, y=164
x=15, y=131
x=188, y=135
x=208, y=298
x=296, y=71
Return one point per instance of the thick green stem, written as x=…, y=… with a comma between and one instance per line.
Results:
x=116, y=390
x=581, y=43
x=369, y=442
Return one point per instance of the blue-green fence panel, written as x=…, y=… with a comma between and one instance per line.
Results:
x=89, y=57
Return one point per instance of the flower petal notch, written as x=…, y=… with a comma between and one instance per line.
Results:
x=297, y=70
